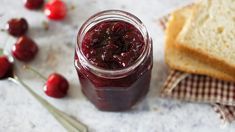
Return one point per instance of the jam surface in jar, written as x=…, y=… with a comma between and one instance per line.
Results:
x=112, y=44
x=114, y=60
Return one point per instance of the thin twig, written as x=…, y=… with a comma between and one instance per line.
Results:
x=34, y=71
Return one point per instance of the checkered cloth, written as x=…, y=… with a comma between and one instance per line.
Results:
x=200, y=88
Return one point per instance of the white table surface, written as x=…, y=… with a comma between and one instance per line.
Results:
x=20, y=112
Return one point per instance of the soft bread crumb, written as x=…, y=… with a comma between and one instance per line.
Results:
x=211, y=33
x=184, y=61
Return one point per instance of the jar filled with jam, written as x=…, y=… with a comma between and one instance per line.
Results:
x=114, y=59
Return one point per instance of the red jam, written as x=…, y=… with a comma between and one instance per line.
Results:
x=113, y=44
x=107, y=48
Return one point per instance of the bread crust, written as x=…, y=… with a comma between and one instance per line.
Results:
x=201, y=72
x=225, y=76
x=210, y=60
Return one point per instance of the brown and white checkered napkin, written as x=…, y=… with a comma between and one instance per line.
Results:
x=200, y=88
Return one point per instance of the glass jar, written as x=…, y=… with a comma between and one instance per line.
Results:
x=114, y=90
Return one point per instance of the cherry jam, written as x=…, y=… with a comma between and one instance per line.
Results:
x=113, y=59
x=113, y=44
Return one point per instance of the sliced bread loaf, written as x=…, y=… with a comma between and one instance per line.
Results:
x=210, y=34
x=184, y=61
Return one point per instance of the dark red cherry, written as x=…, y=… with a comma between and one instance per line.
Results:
x=55, y=10
x=17, y=27
x=25, y=49
x=33, y=4
x=56, y=86
x=5, y=66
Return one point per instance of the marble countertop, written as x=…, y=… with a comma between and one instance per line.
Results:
x=19, y=111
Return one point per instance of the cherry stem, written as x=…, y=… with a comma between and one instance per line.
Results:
x=1, y=52
x=6, y=41
x=35, y=72
x=3, y=30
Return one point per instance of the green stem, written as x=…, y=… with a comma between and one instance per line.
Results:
x=2, y=30
x=1, y=52
x=35, y=72
x=7, y=41
x=69, y=123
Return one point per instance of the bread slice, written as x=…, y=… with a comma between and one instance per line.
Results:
x=183, y=61
x=210, y=34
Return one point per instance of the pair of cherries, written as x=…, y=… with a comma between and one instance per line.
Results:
x=25, y=50
x=54, y=10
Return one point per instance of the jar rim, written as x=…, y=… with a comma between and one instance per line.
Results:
x=99, y=17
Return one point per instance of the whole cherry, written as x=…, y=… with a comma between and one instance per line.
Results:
x=55, y=10
x=33, y=4
x=17, y=27
x=56, y=86
x=5, y=66
x=25, y=49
